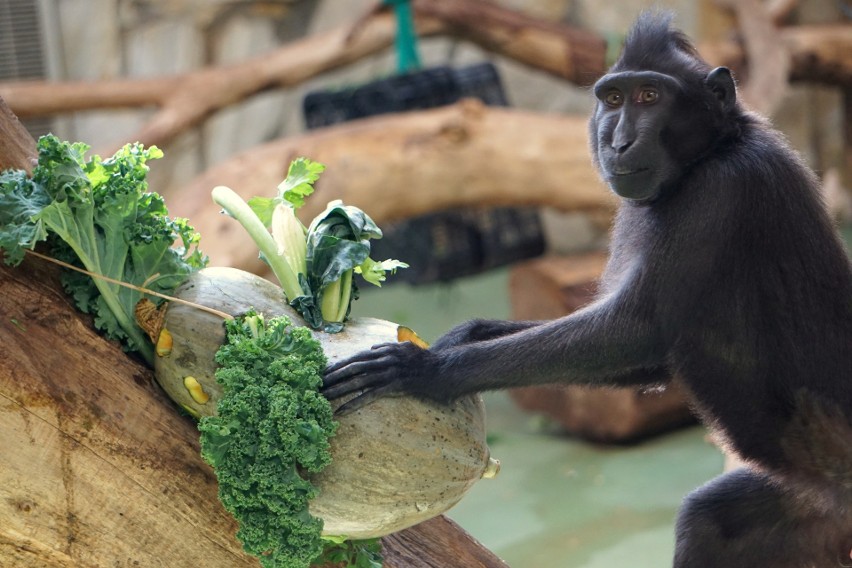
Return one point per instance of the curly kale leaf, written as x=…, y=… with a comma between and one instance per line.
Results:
x=272, y=424
x=97, y=214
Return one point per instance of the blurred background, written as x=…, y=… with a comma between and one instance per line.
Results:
x=465, y=139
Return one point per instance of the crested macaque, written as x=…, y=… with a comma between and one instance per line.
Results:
x=725, y=273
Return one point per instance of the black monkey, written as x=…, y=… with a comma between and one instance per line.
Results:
x=726, y=272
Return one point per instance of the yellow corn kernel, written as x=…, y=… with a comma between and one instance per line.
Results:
x=195, y=390
x=164, y=343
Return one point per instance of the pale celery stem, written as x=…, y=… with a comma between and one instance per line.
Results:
x=330, y=302
x=239, y=210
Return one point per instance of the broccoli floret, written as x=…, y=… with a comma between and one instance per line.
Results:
x=272, y=425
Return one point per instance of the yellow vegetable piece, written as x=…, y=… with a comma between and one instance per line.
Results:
x=195, y=390
x=407, y=334
x=191, y=411
x=164, y=343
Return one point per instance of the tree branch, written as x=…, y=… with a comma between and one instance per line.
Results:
x=465, y=154
x=767, y=81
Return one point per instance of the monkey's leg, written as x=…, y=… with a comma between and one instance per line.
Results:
x=743, y=519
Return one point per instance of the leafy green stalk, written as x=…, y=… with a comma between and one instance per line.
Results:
x=272, y=424
x=98, y=214
x=234, y=206
x=345, y=295
x=322, y=258
x=338, y=244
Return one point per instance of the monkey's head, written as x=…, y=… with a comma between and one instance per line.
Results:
x=659, y=110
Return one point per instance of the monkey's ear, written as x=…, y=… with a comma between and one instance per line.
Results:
x=720, y=82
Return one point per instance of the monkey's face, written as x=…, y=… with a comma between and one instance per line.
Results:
x=632, y=113
x=647, y=130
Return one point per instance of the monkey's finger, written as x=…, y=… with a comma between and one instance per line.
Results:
x=357, y=377
x=342, y=389
x=375, y=351
x=363, y=400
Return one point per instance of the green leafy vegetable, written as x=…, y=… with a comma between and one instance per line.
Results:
x=314, y=265
x=299, y=181
x=271, y=424
x=99, y=215
x=352, y=553
x=338, y=243
x=298, y=185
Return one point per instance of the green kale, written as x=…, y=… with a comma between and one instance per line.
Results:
x=97, y=214
x=272, y=426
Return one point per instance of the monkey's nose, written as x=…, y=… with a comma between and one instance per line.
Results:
x=621, y=146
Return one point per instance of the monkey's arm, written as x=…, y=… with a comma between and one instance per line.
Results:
x=480, y=330
x=609, y=342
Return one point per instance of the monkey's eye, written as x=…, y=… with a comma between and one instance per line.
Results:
x=648, y=96
x=613, y=99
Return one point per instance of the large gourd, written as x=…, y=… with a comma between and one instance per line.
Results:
x=395, y=463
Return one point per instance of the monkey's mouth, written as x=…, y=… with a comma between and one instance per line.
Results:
x=625, y=172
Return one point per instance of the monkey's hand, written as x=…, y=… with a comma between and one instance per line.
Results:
x=386, y=369
x=479, y=330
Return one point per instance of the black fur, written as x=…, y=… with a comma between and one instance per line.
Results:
x=726, y=273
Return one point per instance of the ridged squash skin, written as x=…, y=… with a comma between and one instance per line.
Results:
x=395, y=463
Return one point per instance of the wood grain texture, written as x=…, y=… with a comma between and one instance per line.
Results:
x=99, y=466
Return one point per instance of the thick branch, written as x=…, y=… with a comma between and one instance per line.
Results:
x=767, y=82
x=463, y=155
x=186, y=100
x=819, y=53
x=571, y=53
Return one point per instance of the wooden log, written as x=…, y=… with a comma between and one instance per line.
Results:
x=437, y=543
x=98, y=467
x=767, y=82
x=404, y=165
x=819, y=53
x=552, y=287
x=17, y=147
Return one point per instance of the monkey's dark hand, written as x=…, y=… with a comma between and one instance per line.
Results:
x=386, y=369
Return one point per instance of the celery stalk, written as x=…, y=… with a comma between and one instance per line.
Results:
x=345, y=292
x=330, y=303
x=289, y=236
x=335, y=298
x=237, y=208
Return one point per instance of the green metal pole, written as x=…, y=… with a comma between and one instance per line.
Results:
x=406, y=36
